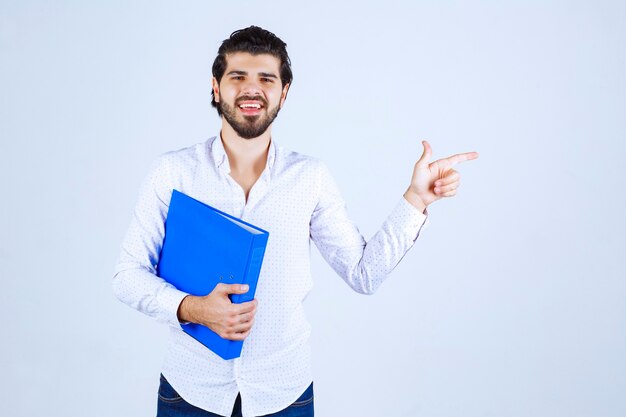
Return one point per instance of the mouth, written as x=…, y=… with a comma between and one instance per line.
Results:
x=250, y=107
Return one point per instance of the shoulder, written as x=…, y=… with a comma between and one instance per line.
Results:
x=289, y=160
x=183, y=159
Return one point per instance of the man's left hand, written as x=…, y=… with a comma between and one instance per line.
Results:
x=434, y=180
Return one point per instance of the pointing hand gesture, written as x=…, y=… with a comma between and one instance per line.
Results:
x=433, y=180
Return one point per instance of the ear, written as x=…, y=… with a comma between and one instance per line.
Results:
x=216, y=89
x=283, y=95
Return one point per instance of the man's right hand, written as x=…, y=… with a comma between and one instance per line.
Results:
x=216, y=311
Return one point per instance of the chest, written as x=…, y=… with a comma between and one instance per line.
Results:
x=246, y=180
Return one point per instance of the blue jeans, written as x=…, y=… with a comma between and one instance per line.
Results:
x=170, y=404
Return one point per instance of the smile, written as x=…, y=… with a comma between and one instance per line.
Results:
x=250, y=108
x=250, y=104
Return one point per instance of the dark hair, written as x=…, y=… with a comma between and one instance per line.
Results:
x=253, y=40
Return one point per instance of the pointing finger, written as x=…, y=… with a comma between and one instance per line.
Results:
x=461, y=157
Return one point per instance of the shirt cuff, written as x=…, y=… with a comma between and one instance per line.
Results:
x=170, y=300
x=409, y=218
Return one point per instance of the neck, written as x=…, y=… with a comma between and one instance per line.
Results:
x=245, y=154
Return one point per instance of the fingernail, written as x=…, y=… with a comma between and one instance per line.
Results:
x=244, y=288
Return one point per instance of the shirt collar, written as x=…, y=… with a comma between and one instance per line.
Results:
x=221, y=159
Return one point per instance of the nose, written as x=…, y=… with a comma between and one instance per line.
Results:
x=251, y=87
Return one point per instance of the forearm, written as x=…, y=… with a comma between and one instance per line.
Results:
x=147, y=293
x=365, y=265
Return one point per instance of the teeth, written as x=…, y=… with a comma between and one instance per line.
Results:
x=255, y=106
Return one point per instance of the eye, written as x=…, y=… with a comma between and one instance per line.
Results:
x=238, y=77
x=267, y=80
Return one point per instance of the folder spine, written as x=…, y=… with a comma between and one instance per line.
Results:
x=257, y=251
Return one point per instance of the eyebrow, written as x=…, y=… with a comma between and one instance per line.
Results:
x=262, y=74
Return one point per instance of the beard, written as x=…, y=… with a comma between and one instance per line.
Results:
x=250, y=126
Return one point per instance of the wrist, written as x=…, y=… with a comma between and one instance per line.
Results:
x=185, y=309
x=415, y=200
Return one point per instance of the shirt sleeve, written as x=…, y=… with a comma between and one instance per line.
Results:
x=135, y=280
x=362, y=265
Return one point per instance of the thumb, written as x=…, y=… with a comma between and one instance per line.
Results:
x=235, y=288
x=426, y=154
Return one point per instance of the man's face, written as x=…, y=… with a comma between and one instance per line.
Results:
x=250, y=93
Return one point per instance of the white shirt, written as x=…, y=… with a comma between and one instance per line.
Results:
x=296, y=201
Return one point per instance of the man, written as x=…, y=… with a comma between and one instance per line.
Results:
x=244, y=172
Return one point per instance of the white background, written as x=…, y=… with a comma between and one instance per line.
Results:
x=511, y=303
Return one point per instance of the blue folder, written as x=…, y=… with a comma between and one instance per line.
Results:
x=204, y=246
